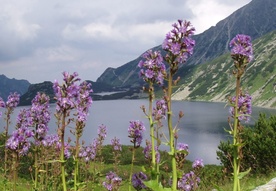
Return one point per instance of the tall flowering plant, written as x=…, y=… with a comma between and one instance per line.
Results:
x=39, y=119
x=82, y=104
x=19, y=143
x=135, y=133
x=242, y=54
x=153, y=71
x=10, y=105
x=70, y=95
x=179, y=46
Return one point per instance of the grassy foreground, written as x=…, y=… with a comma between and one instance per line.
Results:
x=209, y=179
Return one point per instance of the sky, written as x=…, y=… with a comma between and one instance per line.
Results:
x=41, y=39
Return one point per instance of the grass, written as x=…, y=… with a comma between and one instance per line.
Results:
x=247, y=183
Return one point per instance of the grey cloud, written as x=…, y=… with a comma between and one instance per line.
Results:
x=84, y=35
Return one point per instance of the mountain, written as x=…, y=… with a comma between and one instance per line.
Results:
x=44, y=87
x=213, y=81
x=8, y=86
x=97, y=87
x=254, y=19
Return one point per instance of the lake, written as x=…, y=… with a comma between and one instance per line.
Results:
x=202, y=126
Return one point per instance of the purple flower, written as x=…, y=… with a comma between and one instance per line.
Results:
x=153, y=69
x=2, y=105
x=188, y=182
x=40, y=116
x=241, y=47
x=54, y=141
x=159, y=111
x=88, y=153
x=198, y=163
x=13, y=100
x=66, y=94
x=113, y=181
x=50, y=140
x=178, y=42
x=20, y=140
x=244, y=107
x=137, y=180
x=102, y=132
x=182, y=147
x=84, y=101
x=147, y=152
x=135, y=131
x=116, y=144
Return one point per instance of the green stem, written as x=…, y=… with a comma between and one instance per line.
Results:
x=15, y=167
x=131, y=169
x=153, y=160
x=171, y=134
x=236, y=163
x=36, y=161
x=6, y=138
x=62, y=160
x=76, y=174
x=36, y=169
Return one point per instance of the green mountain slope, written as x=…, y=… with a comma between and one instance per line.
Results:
x=213, y=81
x=254, y=19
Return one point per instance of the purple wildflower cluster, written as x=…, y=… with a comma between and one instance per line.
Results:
x=50, y=140
x=198, y=163
x=54, y=141
x=84, y=101
x=19, y=141
x=40, y=116
x=113, y=181
x=159, y=112
x=244, y=107
x=182, y=150
x=67, y=93
x=116, y=144
x=152, y=67
x=2, y=105
x=13, y=100
x=147, y=152
x=188, y=182
x=182, y=147
x=241, y=47
x=89, y=152
x=135, y=131
x=101, y=133
x=179, y=42
x=137, y=180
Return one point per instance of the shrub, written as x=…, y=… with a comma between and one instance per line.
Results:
x=259, y=149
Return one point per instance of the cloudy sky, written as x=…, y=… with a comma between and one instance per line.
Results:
x=39, y=39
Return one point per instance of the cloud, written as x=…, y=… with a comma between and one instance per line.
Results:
x=40, y=39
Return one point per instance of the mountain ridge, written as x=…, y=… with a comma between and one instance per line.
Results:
x=247, y=20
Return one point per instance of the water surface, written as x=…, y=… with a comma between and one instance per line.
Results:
x=202, y=126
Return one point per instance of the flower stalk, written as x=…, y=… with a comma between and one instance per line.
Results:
x=242, y=53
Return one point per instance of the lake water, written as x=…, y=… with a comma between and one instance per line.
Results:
x=202, y=126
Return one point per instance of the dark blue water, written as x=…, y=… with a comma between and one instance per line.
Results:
x=202, y=126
